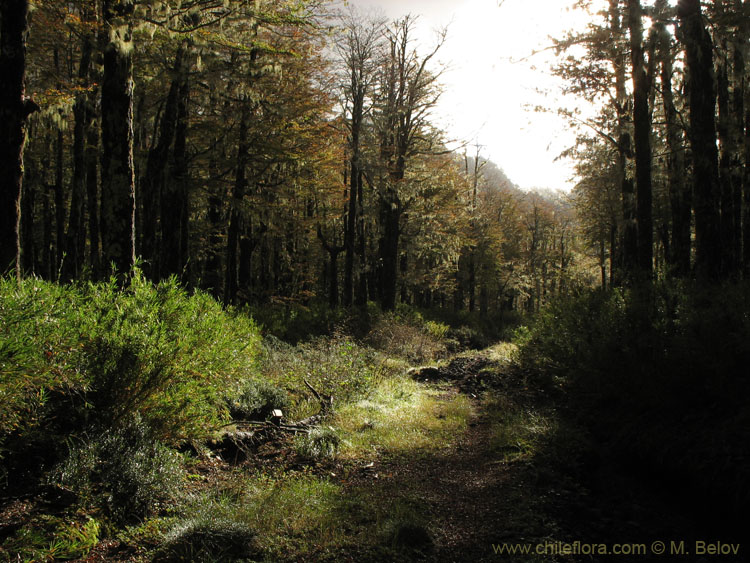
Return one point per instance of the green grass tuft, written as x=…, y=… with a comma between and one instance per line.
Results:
x=400, y=416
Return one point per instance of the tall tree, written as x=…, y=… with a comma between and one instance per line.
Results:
x=742, y=106
x=408, y=92
x=75, y=238
x=358, y=52
x=14, y=111
x=642, y=140
x=235, y=217
x=600, y=77
x=175, y=202
x=678, y=256
x=701, y=89
x=117, y=172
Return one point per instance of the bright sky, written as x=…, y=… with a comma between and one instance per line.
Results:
x=486, y=92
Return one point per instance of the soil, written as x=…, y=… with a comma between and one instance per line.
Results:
x=477, y=502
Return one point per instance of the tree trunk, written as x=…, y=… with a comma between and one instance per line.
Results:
x=29, y=257
x=741, y=132
x=59, y=203
x=233, y=231
x=729, y=256
x=333, y=275
x=75, y=239
x=47, y=266
x=699, y=66
x=59, y=187
x=154, y=180
x=629, y=241
x=355, y=181
x=175, y=203
x=117, y=173
x=390, y=225
x=746, y=190
x=642, y=141
x=72, y=262
x=361, y=296
x=472, y=281
x=679, y=195
x=333, y=272
x=613, y=254
x=92, y=199
x=212, y=274
x=458, y=294
x=746, y=196
x=404, y=277
x=212, y=277
x=14, y=110
x=483, y=301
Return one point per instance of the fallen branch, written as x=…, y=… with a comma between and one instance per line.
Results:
x=250, y=434
x=326, y=401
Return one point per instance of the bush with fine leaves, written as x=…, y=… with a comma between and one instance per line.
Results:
x=102, y=352
x=123, y=471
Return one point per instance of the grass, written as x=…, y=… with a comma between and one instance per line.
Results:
x=283, y=513
x=516, y=432
x=502, y=352
x=516, y=435
x=293, y=516
x=400, y=416
x=314, y=515
x=53, y=538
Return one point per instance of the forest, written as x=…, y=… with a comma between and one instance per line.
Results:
x=256, y=304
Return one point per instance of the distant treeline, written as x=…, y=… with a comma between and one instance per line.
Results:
x=264, y=152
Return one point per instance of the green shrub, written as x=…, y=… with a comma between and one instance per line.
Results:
x=50, y=538
x=339, y=367
x=256, y=399
x=124, y=471
x=408, y=337
x=166, y=355
x=95, y=354
x=321, y=442
x=436, y=330
x=295, y=323
x=469, y=338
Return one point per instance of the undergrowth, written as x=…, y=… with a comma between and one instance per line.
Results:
x=659, y=376
x=101, y=382
x=123, y=471
x=337, y=367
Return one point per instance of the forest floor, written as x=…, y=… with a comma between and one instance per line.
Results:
x=516, y=481
x=521, y=483
x=493, y=470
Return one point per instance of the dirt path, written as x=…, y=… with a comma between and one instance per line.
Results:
x=473, y=499
x=476, y=500
x=467, y=492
